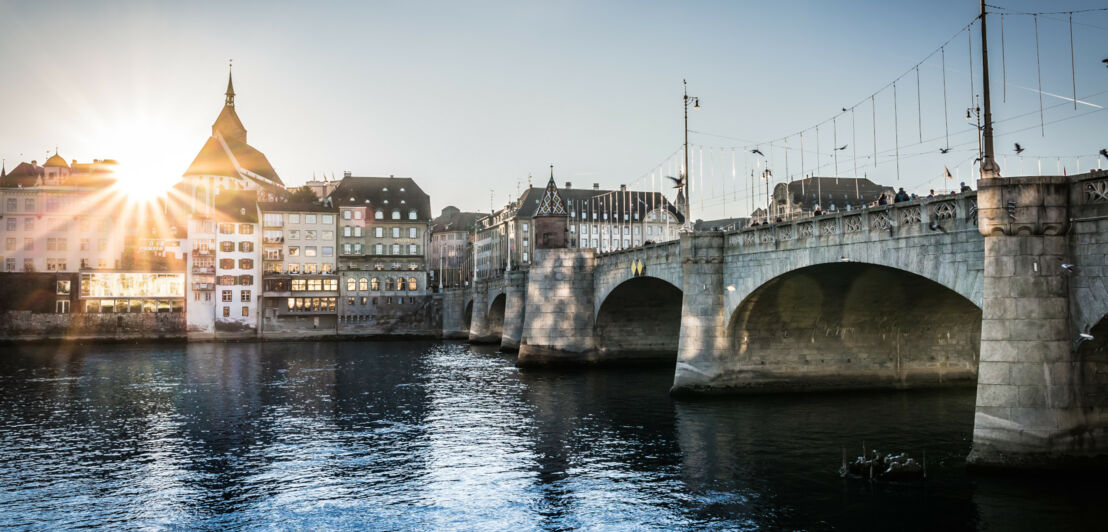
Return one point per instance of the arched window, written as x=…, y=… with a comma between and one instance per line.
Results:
x=413, y=285
x=396, y=214
x=399, y=284
x=375, y=284
x=412, y=214
x=363, y=284
x=379, y=215
x=388, y=283
x=349, y=284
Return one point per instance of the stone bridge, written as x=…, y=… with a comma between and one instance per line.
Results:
x=963, y=289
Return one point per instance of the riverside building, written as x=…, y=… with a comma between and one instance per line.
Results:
x=451, y=245
x=300, y=281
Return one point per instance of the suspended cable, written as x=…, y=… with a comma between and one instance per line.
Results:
x=1039, y=70
x=946, y=115
x=873, y=114
x=1003, y=63
x=1073, y=68
x=802, y=173
x=919, y=107
x=835, y=143
x=969, y=40
x=896, y=133
x=854, y=143
x=819, y=160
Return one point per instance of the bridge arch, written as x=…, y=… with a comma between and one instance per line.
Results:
x=639, y=319
x=496, y=315
x=467, y=314
x=854, y=325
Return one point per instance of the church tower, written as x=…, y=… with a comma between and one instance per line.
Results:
x=551, y=220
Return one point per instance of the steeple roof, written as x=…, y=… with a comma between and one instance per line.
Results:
x=551, y=203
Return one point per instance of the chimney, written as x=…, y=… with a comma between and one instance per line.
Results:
x=569, y=185
x=346, y=173
x=623, y=188
x=596, y=186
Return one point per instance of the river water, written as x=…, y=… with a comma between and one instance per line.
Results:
x=434, y=435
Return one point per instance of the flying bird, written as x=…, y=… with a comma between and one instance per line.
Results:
x=676, y=180
x=756, y=151
x=944, y=150
x=936, y=227
x=1083, y=337
x=1105, y=61
x=1019, y=149
x=1069, y=268
x=843, y=147
x=1104, y=152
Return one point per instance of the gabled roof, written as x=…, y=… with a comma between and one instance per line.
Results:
x=384, y=193
x=582, y=202
x=551, y=202
x=23, y=175
x=452, y=220
x=215, y=159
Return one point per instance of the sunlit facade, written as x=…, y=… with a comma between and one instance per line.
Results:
x=132, y=292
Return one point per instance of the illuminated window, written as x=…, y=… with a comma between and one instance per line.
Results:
x=396, y=214
x=226, y=296
x=363, y=284
x=245, y=311
x=226, y=229
x=379, y=215
x=412, y=214
x=350, y=284
x=412, y=284
x=375, y=284
x=246, y=229
x=226, y=312
x=244, y=297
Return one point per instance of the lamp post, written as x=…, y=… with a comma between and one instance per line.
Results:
x=972, y=112
x=688, y=227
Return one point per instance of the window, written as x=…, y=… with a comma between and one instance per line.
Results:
x=375, y=284
x=396, y=232
x=525, y=257
x=9, y=244
x=378, y=249
x=412, y=249
x=399, y=284
x=294, y=268
x=310, y=234
x=246, y=264
x=328, y=235
x=273, y=219
x=13, y=224
x=246, y=229
x=226, y=229
x=412, y=214
x=226, y=264
x=63, y=288
x=245, y=311
x=226, y=312
x=414, y=233
x=225, y=246
x=299, y=285
x=294, y=251
x=350, y=284
x=525, y=227
x=379, y=215
x=294, y=218
x=396, y=249
x=328, y=251
x=363, y=284
x=309, y=267
x=396, y=214
x=12, y=204
x=330, y=284
x=413, y=284
x=28, y=224
x=328, y=219
x=328, y=268
x=84, y=244
x=315, y=285
x=246, y=280
x=309, y=218
x=9, y=265
x=51, y=244
x=350, y=301
x=379, y=232
x=346, y=215
x=346, y=231
x=225, y=280
x=244, y=297
x=226, y=296
x=310, y=251
x=357, y=215
x=29, y=204
x=61, y=306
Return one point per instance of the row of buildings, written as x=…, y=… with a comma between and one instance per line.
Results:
x=236, y=254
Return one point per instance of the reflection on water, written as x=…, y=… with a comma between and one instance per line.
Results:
x=432, y=435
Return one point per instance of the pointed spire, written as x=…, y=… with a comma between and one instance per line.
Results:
x=3, y=168
x=551, y=203
x=230, y=87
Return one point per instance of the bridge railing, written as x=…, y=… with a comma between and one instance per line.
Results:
x=669, y=248
x=954, y=212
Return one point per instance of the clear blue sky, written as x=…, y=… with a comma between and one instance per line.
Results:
x=467, y=97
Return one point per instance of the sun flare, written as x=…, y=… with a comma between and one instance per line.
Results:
x=142, y=147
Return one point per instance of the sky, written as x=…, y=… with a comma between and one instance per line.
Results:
x=476, y=99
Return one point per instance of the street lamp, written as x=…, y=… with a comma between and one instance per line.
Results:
x=687, y=227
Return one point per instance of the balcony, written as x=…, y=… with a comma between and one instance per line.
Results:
x=273, y=256
x=203, y=287
x=202, y=253
x=198, y=270
x=273, y=239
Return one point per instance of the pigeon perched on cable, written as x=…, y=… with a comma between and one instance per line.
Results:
x=944, y=150
x=756, y=151
x=1019, y=149
x=844, y=109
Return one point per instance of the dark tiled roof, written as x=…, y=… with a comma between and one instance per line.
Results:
x=213, y=159
x=455, y=221
x=23, y=175
x=587, y=201
x=721, y=224
x=286, y=206
x=837, y=190
x=385, y=193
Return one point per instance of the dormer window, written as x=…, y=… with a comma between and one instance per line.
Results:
x=403, y=202
x=412, y=214
x=379, y=215
x=386, y=189
x=396, y=214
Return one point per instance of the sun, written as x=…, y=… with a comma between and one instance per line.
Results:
x=148, y=153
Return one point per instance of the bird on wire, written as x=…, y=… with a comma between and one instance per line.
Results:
x=1104, y=152
x=1019, y=149
x=844, y=109
x=944, y=150
x=756, y=151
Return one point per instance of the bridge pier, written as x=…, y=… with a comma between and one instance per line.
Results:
x=702, y=343
x=1038, y=405
x=453, y=313
x=558, y=324
x=479, y=332
x=515, y=305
